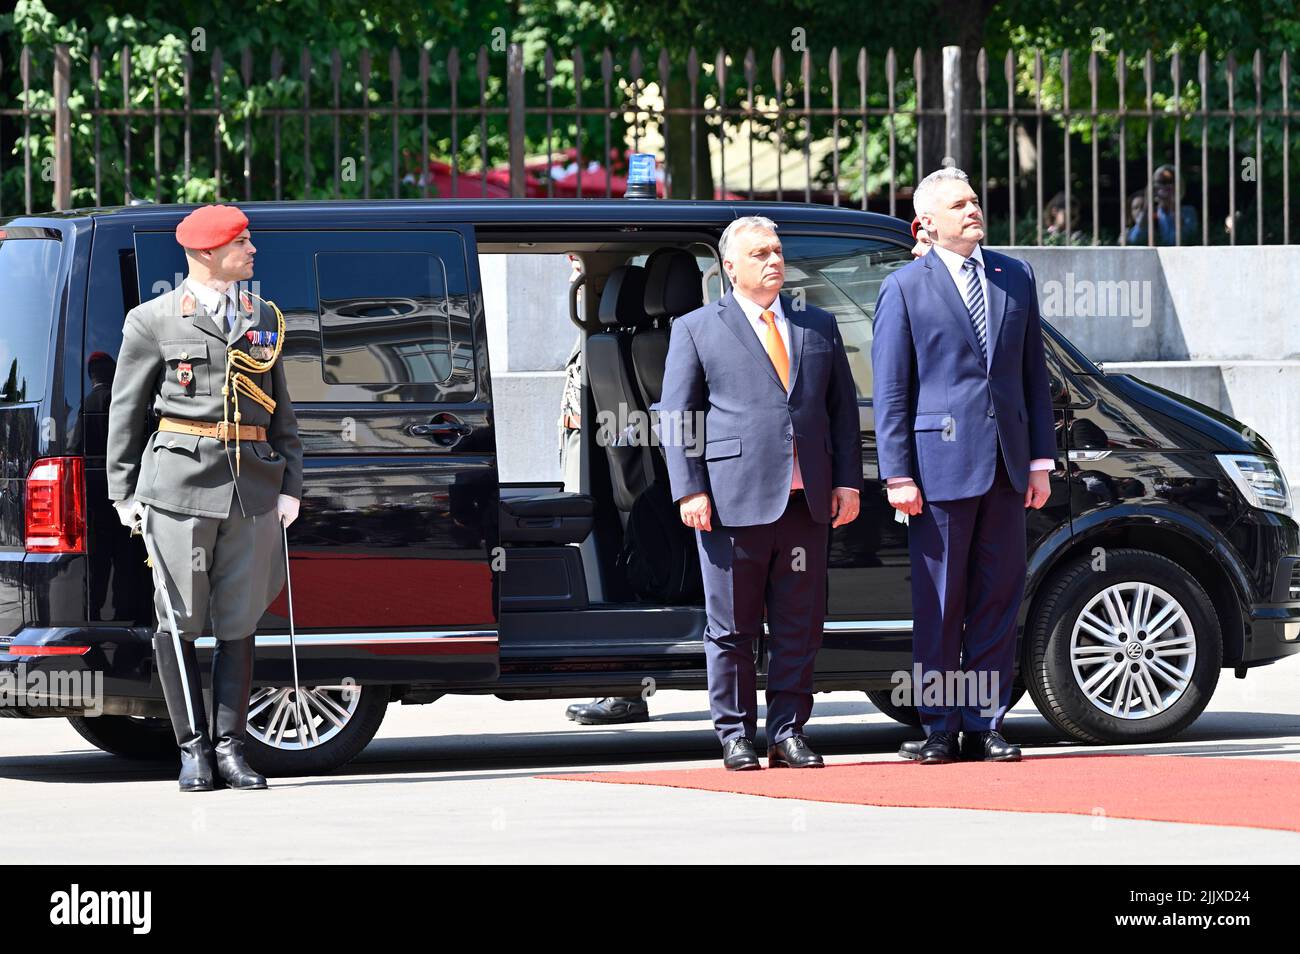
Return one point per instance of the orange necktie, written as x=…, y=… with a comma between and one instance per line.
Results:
x=775, y=349
x=780, y=361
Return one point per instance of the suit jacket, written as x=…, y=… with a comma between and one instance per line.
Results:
x=187, y=473
x=941, y=411
x=744, y=459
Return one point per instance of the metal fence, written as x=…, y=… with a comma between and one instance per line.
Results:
x=1037, y=129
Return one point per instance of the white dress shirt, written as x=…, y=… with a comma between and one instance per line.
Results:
x=212, y=302
x=754, y=314
x=954, y=262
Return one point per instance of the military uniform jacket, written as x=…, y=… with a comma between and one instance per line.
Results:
x=189, y=473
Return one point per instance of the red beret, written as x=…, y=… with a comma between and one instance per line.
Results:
x=210, y=226
x=916, y=225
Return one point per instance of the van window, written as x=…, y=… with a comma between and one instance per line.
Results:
x=29, y=293
x=369, y=316
x=384, y=318
x=843, y=276
x=710, y=269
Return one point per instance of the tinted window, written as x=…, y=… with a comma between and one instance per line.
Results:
x=29, y=292
x=384, y=318
x=369, y=316
x=843, y=276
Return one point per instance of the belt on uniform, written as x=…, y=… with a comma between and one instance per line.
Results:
x=221, y=430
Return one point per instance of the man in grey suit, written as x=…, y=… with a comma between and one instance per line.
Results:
x=208, y=490
x=782, y=461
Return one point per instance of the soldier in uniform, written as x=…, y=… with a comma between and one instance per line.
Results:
x=571, y=420
x=212, y=486
x=611, y=710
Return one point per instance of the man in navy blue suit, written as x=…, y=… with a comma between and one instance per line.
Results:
x=965, y=437
x=781, y=462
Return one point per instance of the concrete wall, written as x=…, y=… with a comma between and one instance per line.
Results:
x=1216, y=324
x=529, y=340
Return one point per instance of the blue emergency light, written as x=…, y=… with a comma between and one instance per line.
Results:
x=641, y=176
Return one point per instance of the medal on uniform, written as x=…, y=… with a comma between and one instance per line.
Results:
x=185, y=373
x=261, y=344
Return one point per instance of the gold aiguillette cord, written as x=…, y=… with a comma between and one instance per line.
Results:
x=237, y=362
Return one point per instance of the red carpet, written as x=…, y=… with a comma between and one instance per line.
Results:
x=1250, y=793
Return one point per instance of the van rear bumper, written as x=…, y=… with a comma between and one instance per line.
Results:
x=113, y=675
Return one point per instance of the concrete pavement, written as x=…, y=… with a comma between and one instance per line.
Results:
x=455, y=782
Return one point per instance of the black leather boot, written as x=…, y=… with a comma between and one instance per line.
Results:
x=232, y=679
x=181, y=680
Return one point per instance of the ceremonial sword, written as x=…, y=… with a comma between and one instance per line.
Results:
x=160, y=582
x=293, y=645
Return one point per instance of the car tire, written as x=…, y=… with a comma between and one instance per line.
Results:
x=908, y=715
x=272, y=744
x=131, y=737
x=1084, y=672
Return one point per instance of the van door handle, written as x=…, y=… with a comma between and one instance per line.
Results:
x=445, y=429
x=439, y=430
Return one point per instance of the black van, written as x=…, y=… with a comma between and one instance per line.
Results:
x=1167, y=552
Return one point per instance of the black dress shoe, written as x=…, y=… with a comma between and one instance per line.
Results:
x=793, y=752
x=738, y=755
x=988, y=747
x=614, y=710
x=911, y=749
x=572, y=710
x=939, y=748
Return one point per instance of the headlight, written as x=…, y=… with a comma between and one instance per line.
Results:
x=1260, y=480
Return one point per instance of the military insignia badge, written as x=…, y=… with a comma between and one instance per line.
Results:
x=187, y=304
x=185, y=373
x=261, y=344
x=245, y=302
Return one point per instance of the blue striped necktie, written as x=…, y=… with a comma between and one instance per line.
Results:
x=975, y=304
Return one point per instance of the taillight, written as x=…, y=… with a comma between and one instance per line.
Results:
x=56, y=506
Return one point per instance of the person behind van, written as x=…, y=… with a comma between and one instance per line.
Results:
x=611, y=710
x=921, y=238
x=209, y=493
